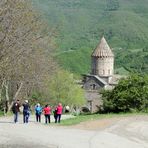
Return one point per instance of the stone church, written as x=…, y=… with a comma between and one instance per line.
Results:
x=101, y=76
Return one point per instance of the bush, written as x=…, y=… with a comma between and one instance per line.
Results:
x=130, y=95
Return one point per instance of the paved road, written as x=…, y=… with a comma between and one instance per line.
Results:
x=128, y=132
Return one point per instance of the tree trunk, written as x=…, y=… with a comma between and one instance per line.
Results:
x=6, y=103
x=1, y=90
x=16, y=95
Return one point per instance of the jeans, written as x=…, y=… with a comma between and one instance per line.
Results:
x=58, y=118
x=25, y=116
x=16, y=117
x=38, y=117
x=47, y=119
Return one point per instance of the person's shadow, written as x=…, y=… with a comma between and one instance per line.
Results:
x=6, y=122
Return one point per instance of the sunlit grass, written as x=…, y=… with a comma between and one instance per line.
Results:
x=82, y=118
x=1, y=113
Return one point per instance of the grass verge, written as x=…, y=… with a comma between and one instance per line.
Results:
x=1, y=113
x=82, y=118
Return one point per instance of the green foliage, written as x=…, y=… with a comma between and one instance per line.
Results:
x=79, y=24
x=131, y=94
x=63, y=88
x=131, y=61
x=112, y=5
x=1, y=113
x=66, y=60
x=37, y=97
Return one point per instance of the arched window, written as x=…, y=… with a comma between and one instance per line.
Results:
x=93, y=86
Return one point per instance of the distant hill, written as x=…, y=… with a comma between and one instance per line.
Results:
x=80, y=24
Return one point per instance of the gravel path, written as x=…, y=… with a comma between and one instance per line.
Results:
x=125, y=132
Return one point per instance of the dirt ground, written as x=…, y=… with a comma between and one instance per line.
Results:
x=122, y=132
x=101, y=124
x=96, y=124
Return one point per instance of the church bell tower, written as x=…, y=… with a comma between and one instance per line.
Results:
x=102, y=60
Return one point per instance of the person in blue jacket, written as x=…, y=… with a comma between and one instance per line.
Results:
x=38, y=112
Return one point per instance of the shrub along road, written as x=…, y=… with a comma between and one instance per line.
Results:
x=122, y=132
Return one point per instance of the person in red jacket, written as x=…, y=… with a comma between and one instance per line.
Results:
x=59, y=110
x=47, y=112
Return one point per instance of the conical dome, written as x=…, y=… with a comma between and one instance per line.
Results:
x=103, y=50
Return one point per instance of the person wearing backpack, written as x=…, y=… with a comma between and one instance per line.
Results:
x=16, y=110
x=55, y=113
x=47, y=112
x=26, y=111
x=38, y=112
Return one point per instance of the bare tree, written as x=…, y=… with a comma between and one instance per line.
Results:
x=25, y=61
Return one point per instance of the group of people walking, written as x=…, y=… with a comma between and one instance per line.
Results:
x=47, y=111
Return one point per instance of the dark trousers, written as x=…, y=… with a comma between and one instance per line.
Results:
x=58, y=118
x=38, y=117
x=25, y=116
x=16, y=117
x=47, y=119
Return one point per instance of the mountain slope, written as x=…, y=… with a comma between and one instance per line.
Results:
x=81, y=23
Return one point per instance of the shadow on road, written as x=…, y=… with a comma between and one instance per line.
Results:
x=6, y=122
x=25, y=146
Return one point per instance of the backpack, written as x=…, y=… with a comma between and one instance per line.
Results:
x=38, y=110
x=13, y=108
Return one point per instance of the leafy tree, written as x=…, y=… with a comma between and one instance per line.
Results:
x=63, y=88
x=130, y=94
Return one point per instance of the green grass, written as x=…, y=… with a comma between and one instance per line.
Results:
x=1, y=113
x=136, y=50
x=83, y=118
x=121, y=71
x=8, y=113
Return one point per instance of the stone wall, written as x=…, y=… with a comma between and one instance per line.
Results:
x=103, y=66
x=94, y=100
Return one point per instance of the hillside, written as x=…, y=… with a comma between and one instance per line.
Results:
x=80, y=24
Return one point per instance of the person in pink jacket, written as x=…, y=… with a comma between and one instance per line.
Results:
x=59, y=110
x=47, y=112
